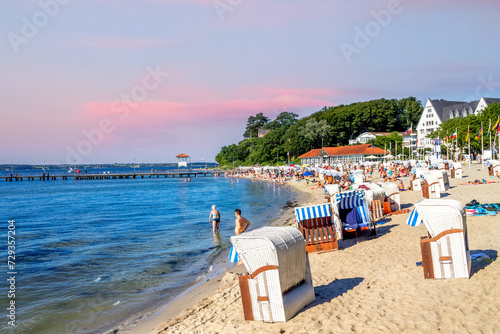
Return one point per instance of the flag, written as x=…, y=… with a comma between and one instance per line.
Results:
x=495, y=127
x=437, y=141
x=409, y=130
x=479, y=133
x=453, y=135
x=467, y=138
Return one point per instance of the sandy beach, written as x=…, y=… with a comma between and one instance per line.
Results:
x=371, y=286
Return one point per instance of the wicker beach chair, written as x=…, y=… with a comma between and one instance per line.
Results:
x=317, y=227
x=431, y=188
x=358, y=219
x=445, y=251
x=442, y=175
x=392, y=192
x=494, y=167
x=278, y=284
x=332, y=189
x=456, y=170
x=416, y=184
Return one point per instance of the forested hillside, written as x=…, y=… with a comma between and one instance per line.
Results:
x=333, y=126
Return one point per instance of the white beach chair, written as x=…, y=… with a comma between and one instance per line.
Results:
x=445, y=251
x=416, y=185
x=358, y=178
x=432, y=186
x=392, y=192
x=278, y=284
x=456, y=172
x=444, y=183
x=332, y=189
x=495, y=167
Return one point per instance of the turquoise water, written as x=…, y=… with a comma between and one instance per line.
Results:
x=91, y=253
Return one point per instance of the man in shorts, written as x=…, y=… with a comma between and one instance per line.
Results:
x=240, y=225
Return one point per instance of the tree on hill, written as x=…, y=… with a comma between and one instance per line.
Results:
x=314, y=130
x=253, y=125
x=283, y=119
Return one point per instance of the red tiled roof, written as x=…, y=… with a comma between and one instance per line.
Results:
x=311, y=153
x=365, y=149
x=182, y=156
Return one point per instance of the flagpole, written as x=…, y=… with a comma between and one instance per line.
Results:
x=482, y=146
x=489, y=135
x=468, y=139
x=447, y=154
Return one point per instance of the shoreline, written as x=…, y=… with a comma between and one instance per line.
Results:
x=375, y=285
x=199, y=291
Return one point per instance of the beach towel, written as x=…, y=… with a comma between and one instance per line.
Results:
x=233, y=255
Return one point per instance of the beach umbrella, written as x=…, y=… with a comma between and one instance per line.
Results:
x=371, y=157
x=308, y=174
x=389, y=156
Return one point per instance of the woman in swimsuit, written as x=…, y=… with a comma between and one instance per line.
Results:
x=214, y=218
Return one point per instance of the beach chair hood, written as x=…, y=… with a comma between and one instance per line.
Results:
x=279, y=283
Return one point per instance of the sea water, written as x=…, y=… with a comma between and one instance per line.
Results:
x=91, y=253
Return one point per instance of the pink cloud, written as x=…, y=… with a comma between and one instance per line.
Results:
x=154, y=119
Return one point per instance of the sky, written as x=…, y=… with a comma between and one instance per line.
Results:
x=104, y=81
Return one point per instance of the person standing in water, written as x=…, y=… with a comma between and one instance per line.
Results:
x=214, y=218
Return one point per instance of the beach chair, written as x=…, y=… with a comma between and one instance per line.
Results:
x=279, y=283
x=445, y=250
x=456, y=171
x=332, y=189
x=442, y=175
x=494, y=167
x=358, y=178
x=416, y=184
x=317, y=227
x=392, y=193
x=431, y=188
x=376, y=210
x=352, y=214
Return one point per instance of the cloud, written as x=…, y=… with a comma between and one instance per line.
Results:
x=154, y=119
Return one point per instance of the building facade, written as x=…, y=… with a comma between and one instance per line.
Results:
x=365, y=137
x=436, y=112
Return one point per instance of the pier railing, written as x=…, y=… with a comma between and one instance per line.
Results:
x=105, y=176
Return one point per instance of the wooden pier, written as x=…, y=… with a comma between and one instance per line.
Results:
x=79, y=176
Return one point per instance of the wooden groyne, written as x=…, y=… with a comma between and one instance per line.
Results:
x=79, y=176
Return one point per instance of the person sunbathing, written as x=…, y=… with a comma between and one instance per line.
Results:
x=319, y=185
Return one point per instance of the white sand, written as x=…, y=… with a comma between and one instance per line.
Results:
x=372, y=286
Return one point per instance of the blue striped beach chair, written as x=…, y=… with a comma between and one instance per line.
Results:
x=355, y=200
x=316, y=225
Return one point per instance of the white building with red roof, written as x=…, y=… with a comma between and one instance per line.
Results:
x=343, y=154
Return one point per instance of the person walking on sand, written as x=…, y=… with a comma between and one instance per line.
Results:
x=214, y=218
